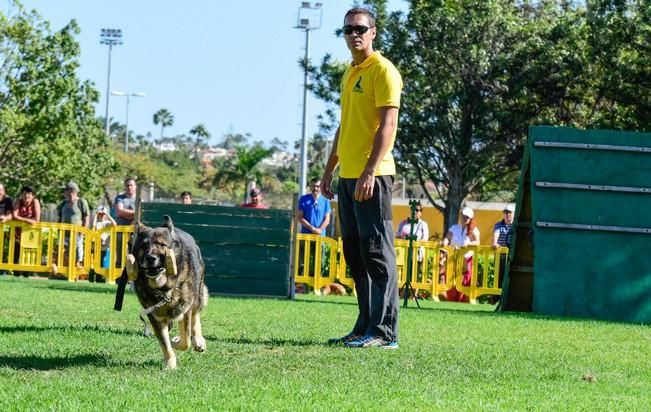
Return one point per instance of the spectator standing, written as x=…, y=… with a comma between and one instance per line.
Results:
x=502, y=233
x=6, y=205
x=125, y=211
x=421, y=231
x=186, y=198
x=103, y=219
x=27, y=209
x=503, y=230
x=314, y=210
x=314, y=217
x=256, y=200
x=370, y=99
x=74, y=210
x=463, y=234
x=125, y=203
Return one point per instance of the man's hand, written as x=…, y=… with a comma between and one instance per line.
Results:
x=364, y=186
x=326, y=185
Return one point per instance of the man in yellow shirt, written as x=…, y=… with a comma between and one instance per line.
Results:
x=370, y=98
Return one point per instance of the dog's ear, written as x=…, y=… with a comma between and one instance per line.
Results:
x=169, y=225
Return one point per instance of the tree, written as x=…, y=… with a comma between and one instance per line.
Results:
x=201, y=135
x=164, y=118
x=232, y=140
x=235, y=172
x=478, y=73
x=48, y=130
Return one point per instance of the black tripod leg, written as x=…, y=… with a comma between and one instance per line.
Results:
x=415, y=296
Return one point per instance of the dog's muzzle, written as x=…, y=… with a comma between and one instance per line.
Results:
x=152, y=268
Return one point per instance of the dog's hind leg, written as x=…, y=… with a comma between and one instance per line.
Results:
x=162, y=334
x=182, y=342
x=198, y=341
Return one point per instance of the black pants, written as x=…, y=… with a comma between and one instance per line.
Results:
x=367, y=232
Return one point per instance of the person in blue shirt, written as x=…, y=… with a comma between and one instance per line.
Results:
x=314, y=217
x=314, y=210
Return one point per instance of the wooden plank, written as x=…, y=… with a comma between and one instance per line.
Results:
x=261, y=287
x=244, y=269
x=235, y=235
x=252, y=253
x=217, y=215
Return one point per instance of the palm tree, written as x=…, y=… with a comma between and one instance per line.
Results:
x=241, y=168
x=164, y=118
x=201, y=135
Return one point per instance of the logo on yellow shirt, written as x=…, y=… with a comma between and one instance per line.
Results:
x=358, y=86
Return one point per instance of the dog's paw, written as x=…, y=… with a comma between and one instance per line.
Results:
x=178, y=344
x=170, y=363
x=199, y=343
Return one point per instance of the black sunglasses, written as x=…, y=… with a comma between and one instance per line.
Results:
x=359, y=30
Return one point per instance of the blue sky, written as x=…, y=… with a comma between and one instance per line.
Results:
x=231, y=65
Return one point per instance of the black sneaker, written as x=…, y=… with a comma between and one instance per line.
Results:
x=344, y=339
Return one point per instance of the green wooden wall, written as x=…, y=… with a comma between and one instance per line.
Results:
x=246, y=251
x=589, y=228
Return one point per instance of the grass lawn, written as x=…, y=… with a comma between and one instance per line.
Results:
x=63, y=347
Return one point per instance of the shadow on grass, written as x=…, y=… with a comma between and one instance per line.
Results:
x=267, y=342
x=44, y=362
x=76, y=287
x=65, y=328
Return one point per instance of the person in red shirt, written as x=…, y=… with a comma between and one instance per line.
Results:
x=256, y=200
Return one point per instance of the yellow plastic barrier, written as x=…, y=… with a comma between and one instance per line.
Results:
x=309, y=266
x=45, y=244
x=440, y=270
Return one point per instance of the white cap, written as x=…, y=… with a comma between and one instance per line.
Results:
x=509, y=208
x=466, y=211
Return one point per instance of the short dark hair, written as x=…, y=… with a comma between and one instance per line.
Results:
x=186, y=193
x=361, y=10
x=27, y=189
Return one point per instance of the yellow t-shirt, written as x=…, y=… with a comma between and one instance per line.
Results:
x=365, y=88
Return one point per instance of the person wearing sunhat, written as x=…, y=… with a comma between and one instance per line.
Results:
x=101, y=220
x=256, y=200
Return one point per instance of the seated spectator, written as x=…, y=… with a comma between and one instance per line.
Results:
x=27, y=209
x=256, y=200
x=463, y=234
x=186, y=198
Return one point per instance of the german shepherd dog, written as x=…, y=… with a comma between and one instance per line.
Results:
x=168, y=274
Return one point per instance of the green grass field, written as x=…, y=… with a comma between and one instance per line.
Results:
x=63, y=347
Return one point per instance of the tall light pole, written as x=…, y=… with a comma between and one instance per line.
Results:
x=309, y=18
x=110, y=37
x=126, y=123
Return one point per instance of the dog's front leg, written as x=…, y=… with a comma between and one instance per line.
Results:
x=182, y=342
x=198, y=341
x=161, y=330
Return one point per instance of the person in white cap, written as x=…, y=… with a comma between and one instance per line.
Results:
x=463, y=234
x=503, y=230
x=502, y=233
